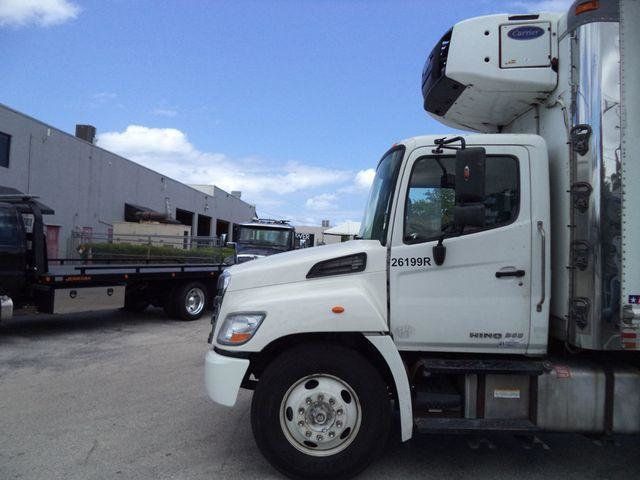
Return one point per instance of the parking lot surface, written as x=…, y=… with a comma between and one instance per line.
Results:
x=117, y=395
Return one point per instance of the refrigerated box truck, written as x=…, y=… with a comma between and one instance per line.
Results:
x=496, y=281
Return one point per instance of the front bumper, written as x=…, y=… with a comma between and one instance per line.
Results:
x=223, y=376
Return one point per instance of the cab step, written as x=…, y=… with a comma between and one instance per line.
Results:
x=463, y=425
x=482, y=366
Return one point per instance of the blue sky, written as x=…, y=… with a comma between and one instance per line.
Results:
x=291, y=102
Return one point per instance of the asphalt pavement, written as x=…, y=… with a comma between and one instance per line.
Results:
x=114, y=395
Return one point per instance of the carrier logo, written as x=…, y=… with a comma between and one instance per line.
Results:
x=525, y=33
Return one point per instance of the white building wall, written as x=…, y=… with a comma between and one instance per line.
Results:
x=88, y=186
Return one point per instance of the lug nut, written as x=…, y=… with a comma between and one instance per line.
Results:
x=308, y=401
x=332, y=434
x=308, y=433
x=339, y=412
x=301, y=411
x=301, y=423
x=338, y=424
x=320, y=397
x=319, y=438
x=332, y=401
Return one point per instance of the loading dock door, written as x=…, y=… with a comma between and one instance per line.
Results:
x=204, y=226
x=185, y=217
x=222, y=226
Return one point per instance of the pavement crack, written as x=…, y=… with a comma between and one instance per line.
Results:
x=91, y=450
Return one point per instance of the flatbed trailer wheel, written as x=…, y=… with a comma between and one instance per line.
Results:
x=321, y=411
x=188, y=301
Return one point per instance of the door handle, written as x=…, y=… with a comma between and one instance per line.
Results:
x=543, y=258
x=510, y=273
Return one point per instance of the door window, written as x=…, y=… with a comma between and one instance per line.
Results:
x=9, y=228
x=431, y=197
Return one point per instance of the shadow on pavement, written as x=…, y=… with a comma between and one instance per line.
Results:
x=26, y=325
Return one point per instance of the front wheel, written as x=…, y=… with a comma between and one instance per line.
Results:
x=321, y=411
x=189, y=301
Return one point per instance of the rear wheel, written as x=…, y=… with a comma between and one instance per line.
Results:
x=189, y=301
x=321, y=411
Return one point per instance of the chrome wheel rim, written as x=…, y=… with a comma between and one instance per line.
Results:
x=195, y=301
x=320, y=415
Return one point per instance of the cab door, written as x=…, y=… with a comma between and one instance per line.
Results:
x=479, y=298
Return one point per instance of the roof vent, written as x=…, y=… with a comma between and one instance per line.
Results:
x=86, y=132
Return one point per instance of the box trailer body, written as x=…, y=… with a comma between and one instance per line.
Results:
x=564, y=85
x=495, y=285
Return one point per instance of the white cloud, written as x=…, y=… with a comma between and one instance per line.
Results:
x=138, y=140
x=292, y=190
x=544, y=5
x=364, y=178
x=165, y=112
x=102, y=98
x=36, y=12
x=168, y=150
x=324, y=201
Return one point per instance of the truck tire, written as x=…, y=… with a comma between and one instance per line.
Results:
x=189, y=301
x=321, y=411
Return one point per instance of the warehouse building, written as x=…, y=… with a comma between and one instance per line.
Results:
x=91, y=189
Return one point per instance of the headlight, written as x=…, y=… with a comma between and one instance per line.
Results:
x=223, y=281
x=238, y=328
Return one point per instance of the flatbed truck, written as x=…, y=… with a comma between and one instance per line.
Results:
x=28, y=278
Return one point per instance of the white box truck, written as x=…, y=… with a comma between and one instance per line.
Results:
x=496, y=281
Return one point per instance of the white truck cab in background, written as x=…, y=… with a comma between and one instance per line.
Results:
x=495, y=285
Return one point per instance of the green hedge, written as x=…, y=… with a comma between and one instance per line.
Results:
x=127, y=251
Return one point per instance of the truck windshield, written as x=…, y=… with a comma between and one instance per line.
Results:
x=377, y=211
x=267, y=237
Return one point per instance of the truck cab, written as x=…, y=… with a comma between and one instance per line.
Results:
x=13, y=251
x=261, y=238
x=22, y=246
x=483, y=214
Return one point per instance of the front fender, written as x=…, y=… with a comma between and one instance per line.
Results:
x=306, y=307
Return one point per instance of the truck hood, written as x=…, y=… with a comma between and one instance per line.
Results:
x=293, y=266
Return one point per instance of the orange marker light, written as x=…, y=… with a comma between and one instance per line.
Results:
x=587, y=6
x=337, y=309
x=240, y=337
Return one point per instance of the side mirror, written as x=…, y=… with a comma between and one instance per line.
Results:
x=470, y=175
x=470, y=181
